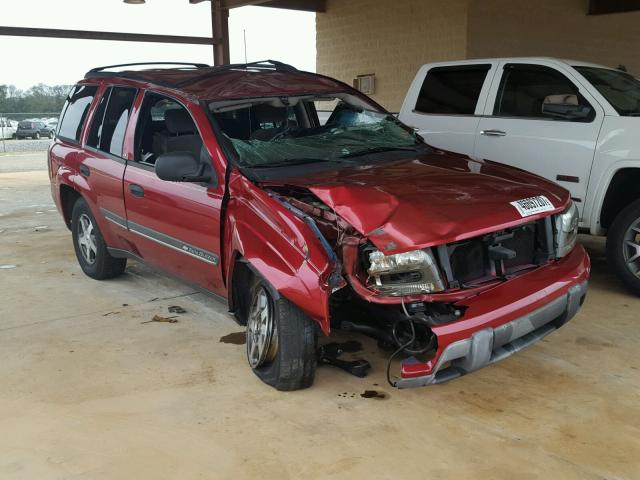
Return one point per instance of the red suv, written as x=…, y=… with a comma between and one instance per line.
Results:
x=308, y=207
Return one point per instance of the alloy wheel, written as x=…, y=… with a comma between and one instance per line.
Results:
x=631, y=247
x=87, y=239
x=262, y=338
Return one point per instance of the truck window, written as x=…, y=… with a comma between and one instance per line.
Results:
x=524, y=87
x=110, y=120
x=452, y=90
x=75, y=111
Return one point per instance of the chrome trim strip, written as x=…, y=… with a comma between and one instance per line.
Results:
x=174, y=243
x=113, y=218
x=162, y=239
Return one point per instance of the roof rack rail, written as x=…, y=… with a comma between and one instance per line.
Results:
x=260, y=65
x=101, y=69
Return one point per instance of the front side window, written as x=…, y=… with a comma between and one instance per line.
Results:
x=110, y=120
x=330, y=129
x=75, y=111
x=620, y=89
x=452, y=90
x=539, y=92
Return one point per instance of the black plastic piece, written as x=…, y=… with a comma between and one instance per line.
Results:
x=328, y=355
x=136, y=64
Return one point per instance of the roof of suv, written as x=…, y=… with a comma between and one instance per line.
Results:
x=569, y=62
x=203, y=82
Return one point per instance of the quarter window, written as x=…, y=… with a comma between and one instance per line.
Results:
x=452, y=90
x=75, y=111
x=525, y=88
x=110, y=120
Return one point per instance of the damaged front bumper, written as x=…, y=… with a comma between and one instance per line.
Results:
x=503, y=321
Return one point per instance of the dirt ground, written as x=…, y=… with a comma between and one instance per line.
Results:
x=88, y=390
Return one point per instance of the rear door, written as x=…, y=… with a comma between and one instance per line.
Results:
x=173, y=225
x=445, y=101
x=104, y=164
x=516, y=131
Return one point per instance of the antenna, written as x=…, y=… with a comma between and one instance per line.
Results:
x=244, y=34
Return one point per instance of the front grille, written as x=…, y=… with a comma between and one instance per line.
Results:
x=498, y=255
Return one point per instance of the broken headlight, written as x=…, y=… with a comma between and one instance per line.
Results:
x=401, y=274
x=566, y=224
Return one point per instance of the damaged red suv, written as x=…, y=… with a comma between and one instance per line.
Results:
x=308, y=207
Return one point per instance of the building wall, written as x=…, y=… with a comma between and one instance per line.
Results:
x=392, y=38
x=556, y=28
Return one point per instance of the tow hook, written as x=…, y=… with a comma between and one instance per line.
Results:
x=328, y=355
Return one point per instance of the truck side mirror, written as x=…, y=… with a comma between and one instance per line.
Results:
x=566, y=107
x=181, y=167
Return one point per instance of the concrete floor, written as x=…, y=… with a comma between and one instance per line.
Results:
x=89, y=391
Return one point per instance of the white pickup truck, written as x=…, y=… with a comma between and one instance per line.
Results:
x=575, y=123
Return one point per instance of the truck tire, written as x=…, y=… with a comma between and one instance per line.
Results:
x=623, y=246
x=91, y=250
x=281, y=341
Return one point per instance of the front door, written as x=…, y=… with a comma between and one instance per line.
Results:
x=173, y=225
x=519, y=130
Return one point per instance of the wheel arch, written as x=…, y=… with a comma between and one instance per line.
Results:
x=68, y=198
x=622, y=189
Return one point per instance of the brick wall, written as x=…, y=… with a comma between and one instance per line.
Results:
x=392, y=38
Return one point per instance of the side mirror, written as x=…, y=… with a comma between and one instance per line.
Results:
x=181, y=167
x=566, y=107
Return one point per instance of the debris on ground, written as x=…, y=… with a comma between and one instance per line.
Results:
x=328, y=355
x=109, y=313
x=176, y=309
x=7, y=266
x=40, y=227
x=374, y=394
x=235, y=338
x=125, y=304
x=160, y=319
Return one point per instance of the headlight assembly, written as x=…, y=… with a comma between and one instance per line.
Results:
x=407, y=273
x=566, y=230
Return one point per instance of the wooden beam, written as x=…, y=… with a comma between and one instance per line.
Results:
x=600, y=7
x=220, y=29
x=111, y=36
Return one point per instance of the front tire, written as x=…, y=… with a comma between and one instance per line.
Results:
x=36, y=136
x=91, y=250
x=623, y=246
x=281, y=341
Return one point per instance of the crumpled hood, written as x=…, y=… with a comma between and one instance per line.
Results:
x=429, y=200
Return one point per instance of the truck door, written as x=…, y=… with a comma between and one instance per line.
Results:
x=540, y=119
x=173, y=225
x=444, y=103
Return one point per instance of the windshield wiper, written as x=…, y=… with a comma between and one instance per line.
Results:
x=367, y=151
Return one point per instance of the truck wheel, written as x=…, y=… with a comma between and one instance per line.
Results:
x=623, y=246
x=91, y=251
x=281, y=341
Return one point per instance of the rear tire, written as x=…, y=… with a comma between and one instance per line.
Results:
x=91, y=250
x=287, y=359
x=623, y=247
x=36, y=136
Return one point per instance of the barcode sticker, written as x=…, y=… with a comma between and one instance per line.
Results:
x=533, y=205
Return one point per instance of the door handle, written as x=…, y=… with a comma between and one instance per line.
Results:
x=84, y=170
x=136, y=190
x=493, y=133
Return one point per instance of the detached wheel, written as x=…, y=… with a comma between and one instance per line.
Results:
x=623, y=246
x=91, y=251
x=281, y=341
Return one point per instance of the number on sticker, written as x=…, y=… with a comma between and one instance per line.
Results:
x=533, y=205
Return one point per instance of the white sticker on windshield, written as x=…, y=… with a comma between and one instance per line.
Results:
x=533, y=205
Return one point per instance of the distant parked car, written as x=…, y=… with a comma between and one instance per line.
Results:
x=34, y=129
x=7, y=128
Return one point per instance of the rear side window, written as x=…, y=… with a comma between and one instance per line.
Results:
x=452, y=90
x=524, y=88
x=75, y=111
x=110, y=120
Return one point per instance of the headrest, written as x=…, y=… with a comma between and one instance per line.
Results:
x=265, y=113
x=178, y=121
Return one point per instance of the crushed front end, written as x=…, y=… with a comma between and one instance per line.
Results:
x=452, y=308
